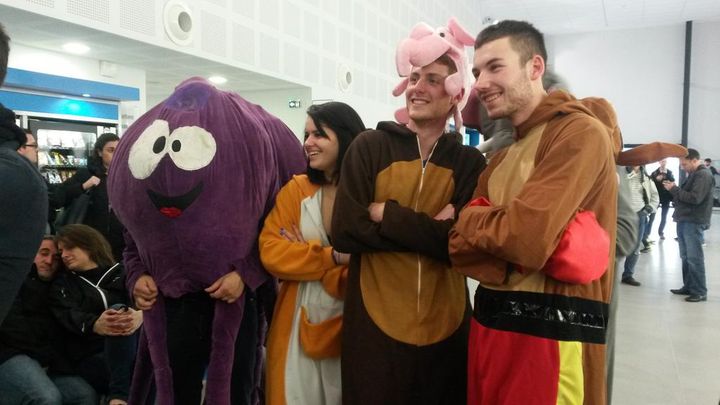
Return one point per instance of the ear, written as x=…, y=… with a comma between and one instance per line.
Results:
x=537, y=67
x=458, y=97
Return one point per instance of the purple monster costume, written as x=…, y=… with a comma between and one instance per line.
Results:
x=192, y=180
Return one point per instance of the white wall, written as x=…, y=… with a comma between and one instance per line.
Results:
x=703, y=128
x=276, y=103
x=639, y=71
x=301, y=41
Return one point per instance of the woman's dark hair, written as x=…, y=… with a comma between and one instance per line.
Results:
x=100, y=143
x=88, y=239
x=345, y=122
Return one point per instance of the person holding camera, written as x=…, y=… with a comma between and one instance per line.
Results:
x=644, y=201
x=90, y=300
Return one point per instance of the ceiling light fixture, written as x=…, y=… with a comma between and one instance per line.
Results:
x=217, y=79
x=77, y=48
x=86, y=95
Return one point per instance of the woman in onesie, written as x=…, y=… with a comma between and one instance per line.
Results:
x=303, y=357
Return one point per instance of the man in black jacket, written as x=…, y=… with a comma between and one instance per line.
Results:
x=693, y=208
x=23, y=201
x=31, y=340
x=660, y=175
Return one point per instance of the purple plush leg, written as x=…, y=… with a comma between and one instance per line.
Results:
x=142, y=376
x=226, y=324
x=155, y=324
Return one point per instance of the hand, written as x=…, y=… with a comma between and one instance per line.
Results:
x=340, y=258
x=227, y=288
x=376, y=211
x=668, y=185
x=91, y=182
x=448, y=212
x=145, y=292
x=113, y=323
x=293, y=235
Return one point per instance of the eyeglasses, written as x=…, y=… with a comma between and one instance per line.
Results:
x=31, y=145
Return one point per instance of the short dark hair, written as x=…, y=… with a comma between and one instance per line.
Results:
x=708, y=160
x=446, y=60
x=4, y=52
x=345, y=122
x=692, y=154
x=525, y=39
x=88, y=239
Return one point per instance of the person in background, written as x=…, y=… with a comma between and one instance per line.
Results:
x=93, y=180
x=91, y=301
x=23, y=201
x=31, y=342
x=693, y=203
x=303, y=360
x=660, y=175
x=708, y=164
x=644, y=200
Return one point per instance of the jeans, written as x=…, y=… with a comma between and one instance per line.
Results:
x=110, y=371
x=24, y=381
x=690, y=240
x=665, y=207
x=632, y=259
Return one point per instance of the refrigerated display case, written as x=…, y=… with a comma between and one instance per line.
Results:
x=63, y=146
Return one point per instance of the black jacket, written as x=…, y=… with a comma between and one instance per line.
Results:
x=99, y=214
x=30, y=327
x=78, y=298
x=665, y=195
x=694, y=200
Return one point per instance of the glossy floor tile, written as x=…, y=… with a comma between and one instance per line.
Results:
x=668, y=350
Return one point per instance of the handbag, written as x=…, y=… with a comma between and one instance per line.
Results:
x=73, y=213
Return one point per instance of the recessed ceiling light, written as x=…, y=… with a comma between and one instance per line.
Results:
x=76, y=48
x=217, y=79
x=86, y=95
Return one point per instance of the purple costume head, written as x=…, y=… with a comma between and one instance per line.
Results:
x=192, y=180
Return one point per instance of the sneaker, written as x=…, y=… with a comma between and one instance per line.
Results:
x=645, y=249
x=696, y=298
x=662, y=237
x=680, y=291
x=650, y=242
x=631, y=281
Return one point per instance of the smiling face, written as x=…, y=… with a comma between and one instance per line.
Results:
x=425, y=97
x=321, y=148
x=504, y=84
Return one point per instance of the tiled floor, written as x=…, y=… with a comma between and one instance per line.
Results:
x=668, y=350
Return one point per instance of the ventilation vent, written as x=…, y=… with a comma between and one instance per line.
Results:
x=98, y=10
x=178, y=22
x=344, y=77
x=46, y=3
x=214, y=34
x=135, y=15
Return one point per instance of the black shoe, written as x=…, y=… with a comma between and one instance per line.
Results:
x=662, y=237
x=680, y=291
x=631, y=281
x=645, y=249
x=696, y=298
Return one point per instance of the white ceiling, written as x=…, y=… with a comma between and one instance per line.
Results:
x=165, y=68
x=569, y=16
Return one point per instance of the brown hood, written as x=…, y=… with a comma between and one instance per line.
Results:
x=561, y=103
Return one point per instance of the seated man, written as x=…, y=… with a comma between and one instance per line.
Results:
x=30, y=344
